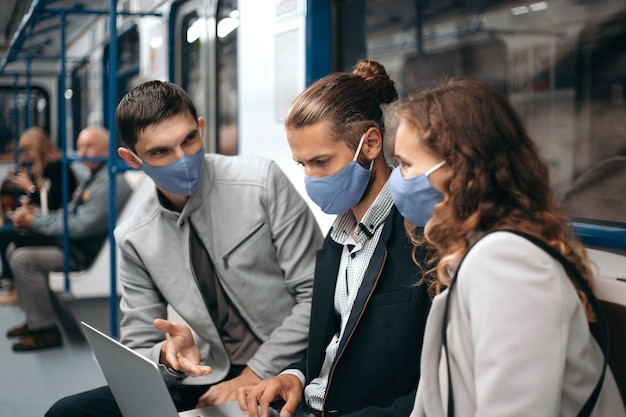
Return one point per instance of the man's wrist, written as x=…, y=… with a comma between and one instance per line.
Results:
x=250, y=375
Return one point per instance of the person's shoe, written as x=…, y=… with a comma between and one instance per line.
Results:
x=18, y=331
x=39, y=339
x=9, y=297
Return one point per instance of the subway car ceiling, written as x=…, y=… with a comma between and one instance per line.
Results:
x=34, y=32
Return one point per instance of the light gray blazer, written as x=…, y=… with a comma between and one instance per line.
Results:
x=262, y=239
x=518, y=338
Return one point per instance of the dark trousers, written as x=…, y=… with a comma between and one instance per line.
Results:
x=99, y=402
x=7, y=234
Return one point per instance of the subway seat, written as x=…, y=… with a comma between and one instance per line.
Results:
x=610, y=272
x=95, y=281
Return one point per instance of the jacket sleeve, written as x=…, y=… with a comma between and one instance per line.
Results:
x=136, y=328
x=297, y=237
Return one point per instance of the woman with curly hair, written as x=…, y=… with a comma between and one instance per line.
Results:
x=510, y=334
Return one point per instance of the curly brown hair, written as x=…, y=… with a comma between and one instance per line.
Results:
x=497, y=179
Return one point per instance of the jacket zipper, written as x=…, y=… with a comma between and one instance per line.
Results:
x=226, y=257
x=332, y=371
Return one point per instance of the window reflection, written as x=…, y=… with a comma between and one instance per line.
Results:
x=190, y=74
x=227, y=23
x=18, y=112
x=560, y=62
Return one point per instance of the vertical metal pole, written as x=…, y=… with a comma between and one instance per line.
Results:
x=112, y=164
x=62, y=143
x=27, y=121
x=16, y=123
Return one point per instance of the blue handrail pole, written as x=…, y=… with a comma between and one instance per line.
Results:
x=16, y=122
x=28, y=93
x=27, y=124
x=112, y=165
x=63, y=144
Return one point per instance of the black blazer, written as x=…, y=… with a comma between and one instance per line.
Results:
x=377, y=366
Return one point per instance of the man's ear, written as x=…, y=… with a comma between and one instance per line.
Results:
x=127, y=156
x=201, y=125
x=372, y=144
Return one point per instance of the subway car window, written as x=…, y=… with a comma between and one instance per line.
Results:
x=79, y=100
x=561, y=62
x=127, y=68
x=208, y=66
x=20, y=111
x=190, y=54
x=128, y=52
x=227, y=24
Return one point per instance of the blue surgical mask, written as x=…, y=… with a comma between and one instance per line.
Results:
x=415, y=197
x=181, y=176
x=338, y=193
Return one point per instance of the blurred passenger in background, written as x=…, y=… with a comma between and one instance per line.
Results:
x=368, y=312
x=38, y=182
x=226, y=242
x=38, y=246
x=516, y=338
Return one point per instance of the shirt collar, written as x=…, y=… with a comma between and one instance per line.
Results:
x=374, y=217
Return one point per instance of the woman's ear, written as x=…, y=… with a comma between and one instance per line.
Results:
x=129, y=157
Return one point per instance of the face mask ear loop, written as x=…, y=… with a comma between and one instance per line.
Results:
x=358, y=149
x=433, y=169
x=135, y=155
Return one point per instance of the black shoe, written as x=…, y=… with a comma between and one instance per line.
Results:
x=39, y=339
x=18, y=331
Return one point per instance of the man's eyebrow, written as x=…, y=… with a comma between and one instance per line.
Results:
x=192, y=133
x=189, y=135
x=157, y=148
x=314, y=158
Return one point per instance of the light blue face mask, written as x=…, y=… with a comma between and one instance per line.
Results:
x=415, y=197
x=338, y=193
x=181, y=176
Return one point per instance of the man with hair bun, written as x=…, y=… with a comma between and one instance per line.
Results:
x=367, y=314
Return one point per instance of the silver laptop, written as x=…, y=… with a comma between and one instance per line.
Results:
x=137, y=385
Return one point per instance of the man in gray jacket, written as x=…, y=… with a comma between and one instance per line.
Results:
x=227, y=242
x=38, y=247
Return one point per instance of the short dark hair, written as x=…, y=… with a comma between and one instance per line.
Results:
x=147, y=104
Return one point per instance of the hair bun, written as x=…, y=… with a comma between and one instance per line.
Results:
x=375, y=75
